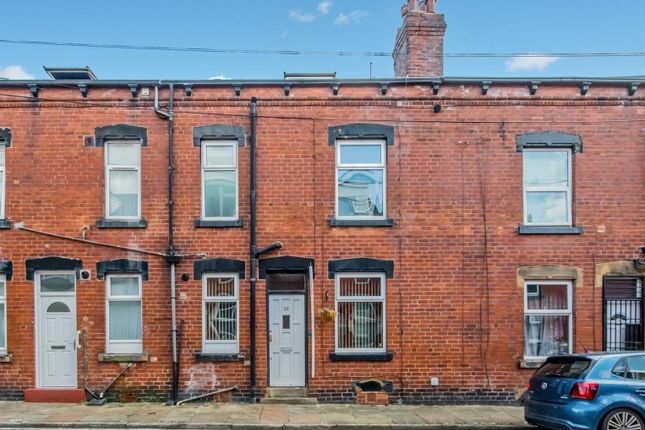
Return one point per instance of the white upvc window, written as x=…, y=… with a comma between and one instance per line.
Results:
x=124, y=320
x=220, y=313
x=361, y=191
x=219, y=180
x=3, y=314
x=2, y=181
x=360, y=318
x=547, y=318
x=123, y=180
x=547, y=187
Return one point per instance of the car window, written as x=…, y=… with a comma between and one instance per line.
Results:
x=636, y=367
x=564, y=367
x=619, y=368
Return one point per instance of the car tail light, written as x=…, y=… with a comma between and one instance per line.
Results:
x=584, y=390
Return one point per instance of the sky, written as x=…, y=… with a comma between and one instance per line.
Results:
x=499, y=26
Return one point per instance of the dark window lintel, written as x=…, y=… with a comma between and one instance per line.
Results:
x=361, y=131
x=121, y=132
x=548, y=139
x=218, y=132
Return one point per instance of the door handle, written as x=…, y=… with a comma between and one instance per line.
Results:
x=57, y=347
x=77, y=343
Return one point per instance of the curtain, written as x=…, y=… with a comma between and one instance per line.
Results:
x=547, y=334
x=125, y=320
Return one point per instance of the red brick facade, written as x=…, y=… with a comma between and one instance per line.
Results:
x=454, y=256
x=454, y=307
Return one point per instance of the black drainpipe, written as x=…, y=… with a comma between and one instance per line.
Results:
x=253, y=245
x=171, y=255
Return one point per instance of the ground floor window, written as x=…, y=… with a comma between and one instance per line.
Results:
x=3, y=315
x=124, y=319
x=360, y=307
x=547, y=318
x=220, y=316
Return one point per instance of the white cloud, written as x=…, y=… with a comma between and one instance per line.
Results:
x=15, y=72
x=219, y=78
x=529, y=63
x=353, y=17
x=300, y=16
x=324, y=6
x=284, y=34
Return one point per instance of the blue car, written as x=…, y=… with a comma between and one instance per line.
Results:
x=599, y=391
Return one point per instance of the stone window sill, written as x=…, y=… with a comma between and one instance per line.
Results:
x=5, y=224
x=334, y=222
x=200, y=223
x=122, y=358
x=377, y=356
x=113, y=223
x=534, y=229
x=5, y=358
x=211, y=357
x=530, y=364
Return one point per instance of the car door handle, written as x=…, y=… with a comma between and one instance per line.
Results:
x=58, y=347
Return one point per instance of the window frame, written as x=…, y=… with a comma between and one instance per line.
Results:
x=367, y=166
x=541, y=188
x=122, y=346
x=205, y=143
x=3, y=321
x=548, y=312
x=221, y=346
x=122, y=168
x=382, y=298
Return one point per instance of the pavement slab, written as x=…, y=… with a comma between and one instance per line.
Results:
x=246, y=416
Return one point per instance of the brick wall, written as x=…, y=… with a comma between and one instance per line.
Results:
x=454, y=310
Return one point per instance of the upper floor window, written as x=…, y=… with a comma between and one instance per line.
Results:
x=547, y=181
x=547, y=187
x=2, y=181
x=547, y=318
x=3, y=314
x=360, y=307
x=124, y=319
x=220, y=315
x=361, y=179
x=219, y=180
x=123, y=180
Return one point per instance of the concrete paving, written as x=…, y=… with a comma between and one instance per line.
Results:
x=243, y=416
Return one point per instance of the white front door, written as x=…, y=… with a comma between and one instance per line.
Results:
x=287, y=345
x=56, y=330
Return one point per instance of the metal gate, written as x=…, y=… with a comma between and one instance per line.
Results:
x=622, y=306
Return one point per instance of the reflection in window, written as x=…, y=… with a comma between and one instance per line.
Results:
x=360, y=179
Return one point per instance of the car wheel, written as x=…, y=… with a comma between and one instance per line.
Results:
x=623, y=419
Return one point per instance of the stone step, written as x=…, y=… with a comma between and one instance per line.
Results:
x=289, y=400
x=275, y=392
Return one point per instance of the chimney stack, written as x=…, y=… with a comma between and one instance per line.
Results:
x=418, y=52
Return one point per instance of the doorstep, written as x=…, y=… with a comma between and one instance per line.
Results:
x=41, y=395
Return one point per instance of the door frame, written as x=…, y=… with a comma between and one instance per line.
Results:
x=37, y=317
x=304, y=293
